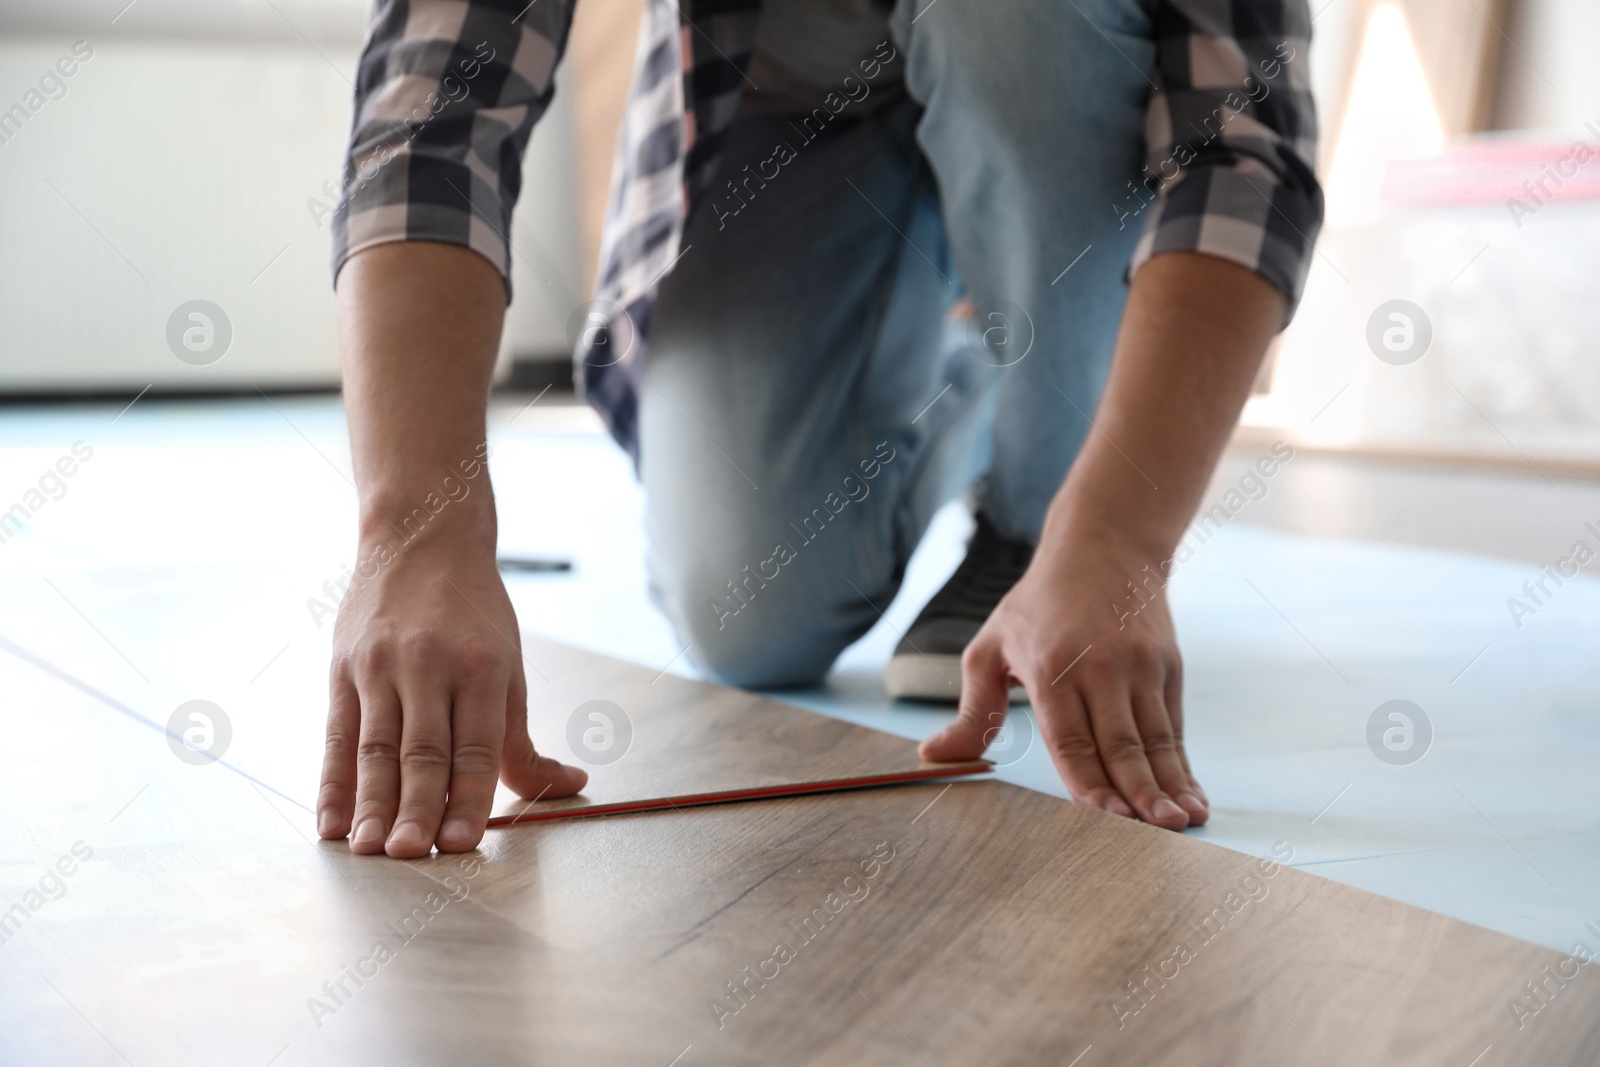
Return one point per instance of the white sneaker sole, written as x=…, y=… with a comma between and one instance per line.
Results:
x=933, y=678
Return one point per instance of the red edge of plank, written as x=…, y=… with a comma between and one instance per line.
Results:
x=762, y=792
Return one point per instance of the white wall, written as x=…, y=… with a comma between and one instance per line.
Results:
x=178, y=166
x=1510, y=371
x=1550, y=80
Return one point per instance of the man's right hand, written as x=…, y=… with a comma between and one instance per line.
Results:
x=428, y=702
x=428, y=706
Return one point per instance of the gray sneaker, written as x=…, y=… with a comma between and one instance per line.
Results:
x=927, y=663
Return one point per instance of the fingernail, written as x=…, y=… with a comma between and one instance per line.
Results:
x=455, y=828
x=1118, y=806
x=1191, y=804
x=405, y=835
x=369, y=832
x=1165, y=809
x=577, y=777
x=327, y=819
x=1200, y=792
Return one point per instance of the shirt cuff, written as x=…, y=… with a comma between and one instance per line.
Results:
x=1243, y=213
x=402, y=191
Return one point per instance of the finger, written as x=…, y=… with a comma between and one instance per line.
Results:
x=424, y=761
x=533, y=776
x=985, y=699
x=377, y=765
x=1172, y=691
x=1122, y=751
x=477, y=733
x=1161, y=748
x=1063, y=720
x=337, y=793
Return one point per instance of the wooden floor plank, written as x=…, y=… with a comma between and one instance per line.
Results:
x=672, y=741
x=965, y=923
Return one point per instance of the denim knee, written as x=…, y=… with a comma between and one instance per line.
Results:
x=744, y=630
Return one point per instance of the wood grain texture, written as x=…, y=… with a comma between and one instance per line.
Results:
x=967, y=923
x=665, y=741
x=1006, y=928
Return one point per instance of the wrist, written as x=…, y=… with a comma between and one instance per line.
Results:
x=456, y=516
x=1119, y=523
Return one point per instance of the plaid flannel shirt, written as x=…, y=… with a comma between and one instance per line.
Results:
x=448, y=92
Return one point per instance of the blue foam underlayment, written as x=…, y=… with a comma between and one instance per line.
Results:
x=197, y=532
x=1290, y=644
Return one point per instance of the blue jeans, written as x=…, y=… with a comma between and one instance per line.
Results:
x=810, y=402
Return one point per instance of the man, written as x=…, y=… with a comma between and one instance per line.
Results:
x=863, y=256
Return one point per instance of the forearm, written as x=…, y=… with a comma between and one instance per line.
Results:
x=419, y=326
x=1193, y=335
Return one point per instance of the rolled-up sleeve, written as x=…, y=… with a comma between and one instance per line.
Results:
x=1231, y=134
x=447, y=94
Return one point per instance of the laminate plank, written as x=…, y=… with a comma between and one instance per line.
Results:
x=662, y=741
x=966, y=922
x=1007, y=928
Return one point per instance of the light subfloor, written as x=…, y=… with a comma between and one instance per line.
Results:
x=181, y=561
